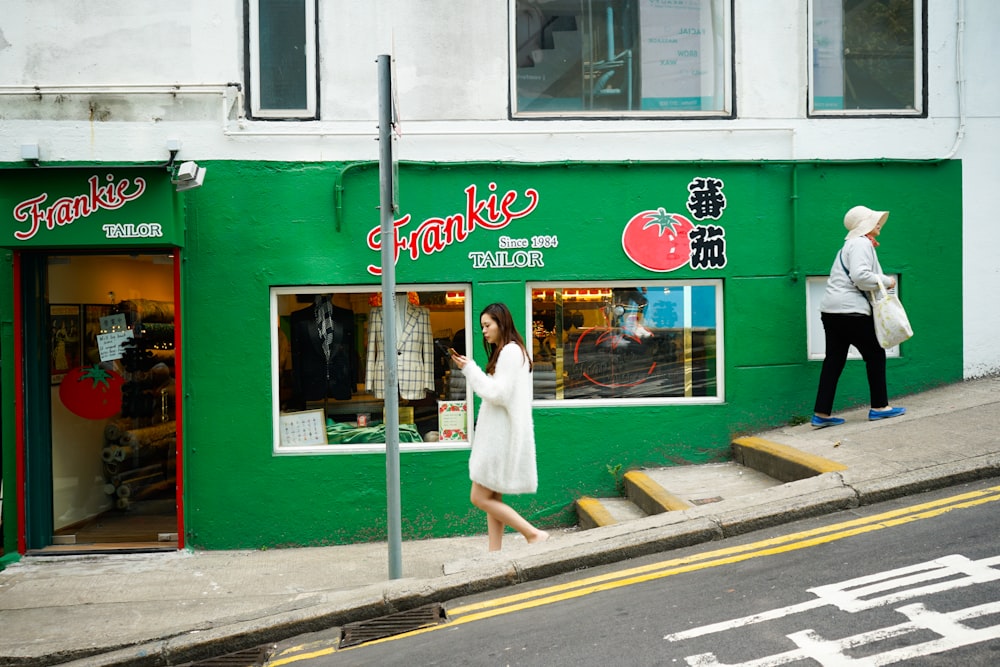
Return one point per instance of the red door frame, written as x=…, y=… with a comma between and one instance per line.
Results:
x=179, y=396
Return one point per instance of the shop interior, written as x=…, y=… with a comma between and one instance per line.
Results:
x=113, y=419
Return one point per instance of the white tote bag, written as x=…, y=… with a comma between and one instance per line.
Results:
x=892, y=326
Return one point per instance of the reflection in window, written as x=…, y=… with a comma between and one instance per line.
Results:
x=866, y=56
x=329, y=357
x=620, y=56
x=626, y=341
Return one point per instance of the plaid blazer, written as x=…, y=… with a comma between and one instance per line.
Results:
x=414, y=354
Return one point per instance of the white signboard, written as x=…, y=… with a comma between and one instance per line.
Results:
x=113, y=334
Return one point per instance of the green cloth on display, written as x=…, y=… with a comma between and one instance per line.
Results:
x=342, y=433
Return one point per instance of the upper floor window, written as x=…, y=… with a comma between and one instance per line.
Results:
x=282, y=58
x=617, y=58
x=867, y=57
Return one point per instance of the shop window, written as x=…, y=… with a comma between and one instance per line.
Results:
x=328, y=364
x=867, y=57
x=627, y=342
x=282, y=58
x=621, y=57
x=815, y=288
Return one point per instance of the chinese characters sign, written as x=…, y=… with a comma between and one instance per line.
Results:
x=662, y=241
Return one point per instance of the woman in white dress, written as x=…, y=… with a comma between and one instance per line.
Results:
x=503, y=452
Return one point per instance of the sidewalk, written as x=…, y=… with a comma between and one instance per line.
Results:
x=171, y=608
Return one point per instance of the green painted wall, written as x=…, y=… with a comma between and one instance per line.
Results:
x=256, y=225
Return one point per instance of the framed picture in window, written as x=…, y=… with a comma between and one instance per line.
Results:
x=65, y=340
x=92, y=314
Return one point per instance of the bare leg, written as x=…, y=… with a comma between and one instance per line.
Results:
x=494, y=528
x=499, y=514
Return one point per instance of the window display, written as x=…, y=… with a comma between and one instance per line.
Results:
x=627, y=341
x=329, y=367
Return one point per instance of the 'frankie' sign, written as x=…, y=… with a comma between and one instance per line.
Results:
x=67, y=210
x=433, y=235
x=86, y=208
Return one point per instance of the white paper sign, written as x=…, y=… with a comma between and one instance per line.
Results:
x=109, y=345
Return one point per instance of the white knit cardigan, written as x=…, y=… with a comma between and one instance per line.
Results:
x=503, y=449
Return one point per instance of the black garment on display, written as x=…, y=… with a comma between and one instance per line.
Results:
x=314, y=377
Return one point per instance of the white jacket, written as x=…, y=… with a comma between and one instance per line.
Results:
x=845, y=289
x=503, y=449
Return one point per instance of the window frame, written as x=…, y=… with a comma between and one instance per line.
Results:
x=362, y=448
x=720, y=361
x=920, y=93
x=311, y=110
x=815, y=338
x=727, y=85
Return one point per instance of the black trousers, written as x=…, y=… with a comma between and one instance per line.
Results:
x=842, y=331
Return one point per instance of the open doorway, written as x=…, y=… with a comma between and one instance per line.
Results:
x=112, y=375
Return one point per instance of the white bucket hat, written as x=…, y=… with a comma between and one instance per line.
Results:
x=860, y=220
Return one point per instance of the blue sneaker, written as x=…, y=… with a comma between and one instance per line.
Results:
x=823, y=422
x=885, y=414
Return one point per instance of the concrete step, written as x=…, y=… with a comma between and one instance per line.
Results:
x=757, y=465
x=595, y=512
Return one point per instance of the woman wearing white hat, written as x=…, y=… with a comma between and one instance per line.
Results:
x=847, y=317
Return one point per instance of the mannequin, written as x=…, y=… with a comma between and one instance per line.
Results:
x=321, y=370
x=414, y=351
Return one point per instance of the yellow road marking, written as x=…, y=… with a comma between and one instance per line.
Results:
x=990, y=494
x=301, y=656
x=716, y=558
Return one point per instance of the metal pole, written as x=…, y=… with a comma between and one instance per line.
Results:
x=393, y=509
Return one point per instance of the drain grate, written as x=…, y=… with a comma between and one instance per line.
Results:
x=251, y=657
x=353, y=634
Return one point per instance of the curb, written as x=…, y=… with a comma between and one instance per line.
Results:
x=591, y=513
x=649, y=496
x=783, y=463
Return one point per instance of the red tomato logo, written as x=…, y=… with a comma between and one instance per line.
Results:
x=92, y=392
x=657, y=240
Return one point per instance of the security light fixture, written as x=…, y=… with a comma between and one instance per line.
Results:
x=188, y=176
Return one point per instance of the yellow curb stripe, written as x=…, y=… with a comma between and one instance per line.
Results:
x=656, y=493
x=595, y=511
x=810, y=461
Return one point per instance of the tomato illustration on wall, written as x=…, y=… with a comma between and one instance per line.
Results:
x=92, y=392
x=657, y=240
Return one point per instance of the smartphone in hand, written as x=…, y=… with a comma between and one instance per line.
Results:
x=450, y=351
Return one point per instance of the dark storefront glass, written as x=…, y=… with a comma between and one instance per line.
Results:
x=626, y=341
